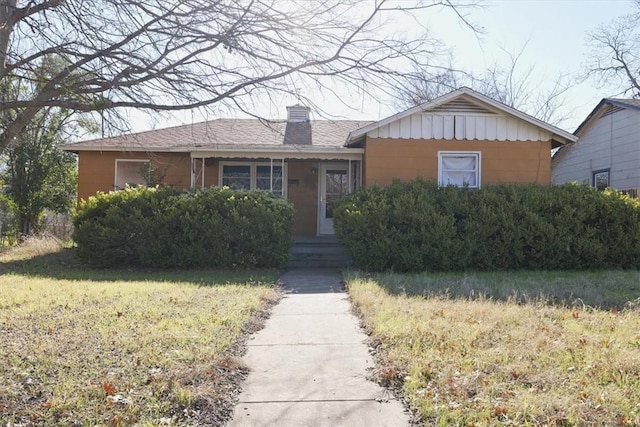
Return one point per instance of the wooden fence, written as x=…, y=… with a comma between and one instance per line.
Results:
x=631, y=192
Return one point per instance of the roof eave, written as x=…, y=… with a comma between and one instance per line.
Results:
x=591, y=115
x=289, y=151
x=595, y=113
x=77, y=148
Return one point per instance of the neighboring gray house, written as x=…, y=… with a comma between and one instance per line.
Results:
x=607, y=153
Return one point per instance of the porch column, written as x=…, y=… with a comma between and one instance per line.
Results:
x=202, y=172
x=193, y=173
x=284, y=183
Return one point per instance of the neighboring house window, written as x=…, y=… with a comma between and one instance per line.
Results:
x=601, y=179
x=459, y=168
x=252, y=176
x=130, y=172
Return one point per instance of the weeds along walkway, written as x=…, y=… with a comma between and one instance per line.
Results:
x=309, y=364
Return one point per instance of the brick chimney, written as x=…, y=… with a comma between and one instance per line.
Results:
x=297, y=113
x=298, y=129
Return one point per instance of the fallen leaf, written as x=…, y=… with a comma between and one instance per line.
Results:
x=109, y=388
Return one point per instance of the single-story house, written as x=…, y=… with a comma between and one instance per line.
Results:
x=607, y=153
x=462, y=138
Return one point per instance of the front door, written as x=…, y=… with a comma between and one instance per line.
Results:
x=334, y=182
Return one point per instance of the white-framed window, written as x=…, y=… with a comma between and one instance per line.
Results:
x=130, y=172
x=254, y=176
x=461, y=168
x=601, y=179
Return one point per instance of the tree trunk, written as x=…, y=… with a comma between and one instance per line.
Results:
x=26, y=225
x=6, y=27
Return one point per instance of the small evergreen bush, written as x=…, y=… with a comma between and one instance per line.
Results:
x=419, y=226
x=162, y=227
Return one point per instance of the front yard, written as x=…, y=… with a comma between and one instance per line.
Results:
x=100, y=347
x=508, y=348
x=148, y=347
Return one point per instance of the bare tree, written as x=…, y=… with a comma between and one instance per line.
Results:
x=165, y=55
x=510, y=84
x=429, y=84
x=615, y=57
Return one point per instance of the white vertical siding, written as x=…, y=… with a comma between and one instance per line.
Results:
x=416, y=126
x=438, y=127
x=448, y=130
x=405, y=128
x=394, y=129
x=461, y=126
x=491, y=129
x=427, y=125
x=480, y=127
x=502, y=129
x=473, y=126
x=512, y=130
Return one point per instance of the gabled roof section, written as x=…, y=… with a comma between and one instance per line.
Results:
x=605, y=107
x=467, y=102
x=228, y=133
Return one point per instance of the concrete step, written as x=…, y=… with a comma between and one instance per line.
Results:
x=318, y=252
x=319, y=261
x=318, y=264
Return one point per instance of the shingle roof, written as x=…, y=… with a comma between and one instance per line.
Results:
x=229, y=133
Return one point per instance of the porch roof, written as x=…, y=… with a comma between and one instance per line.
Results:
x=278, y=152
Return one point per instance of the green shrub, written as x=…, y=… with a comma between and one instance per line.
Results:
x=162, y=227
x=419, y=226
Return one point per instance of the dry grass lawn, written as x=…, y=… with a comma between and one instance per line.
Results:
x=83, y=347
x=480, y=360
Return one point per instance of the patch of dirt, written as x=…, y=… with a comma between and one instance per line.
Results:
x=213, y=400
x=384, y=373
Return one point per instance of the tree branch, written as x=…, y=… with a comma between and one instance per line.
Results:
x=166, y=56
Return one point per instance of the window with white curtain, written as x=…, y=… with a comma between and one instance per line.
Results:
x=461, y=168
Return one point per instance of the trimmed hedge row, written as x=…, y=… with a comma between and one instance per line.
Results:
x=152, y=227
x=419, y=226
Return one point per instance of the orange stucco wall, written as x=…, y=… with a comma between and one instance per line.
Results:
x=96, y=170
x=501, y=162
x=384, y=161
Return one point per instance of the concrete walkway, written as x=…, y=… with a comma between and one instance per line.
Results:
x=309, y=364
